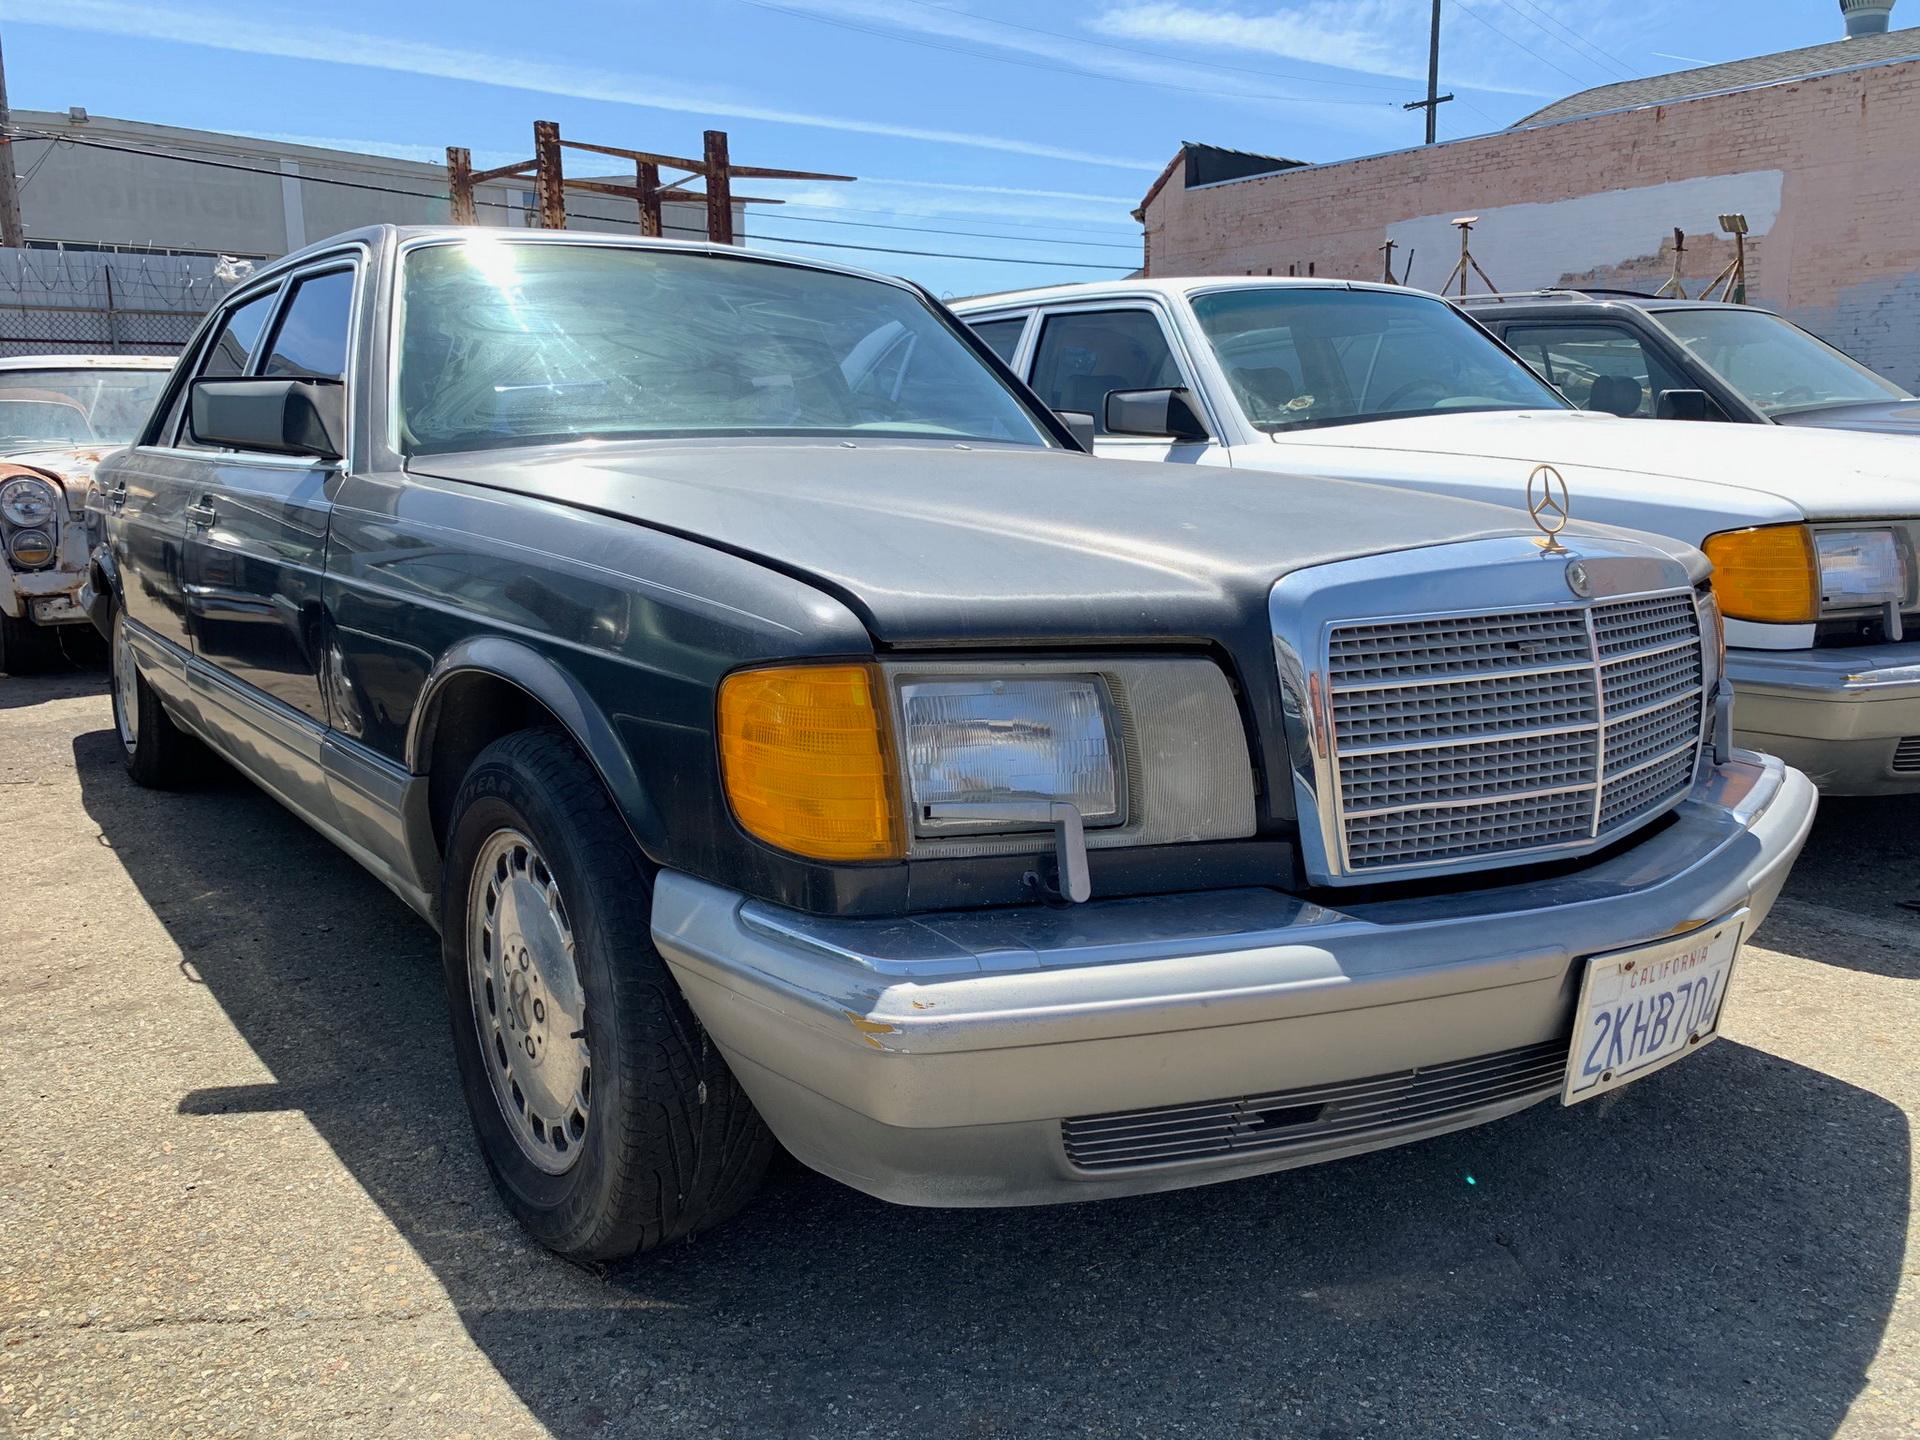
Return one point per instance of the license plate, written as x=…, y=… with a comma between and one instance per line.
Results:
x=55, y=608
x=1644, y=1008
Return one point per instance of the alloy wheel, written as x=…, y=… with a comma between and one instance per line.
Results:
x=528, y=1003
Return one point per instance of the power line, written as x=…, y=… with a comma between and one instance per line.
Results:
x=34, y=169
x=934, y=254
x=1622, y=66
x=1106, y=229
x=924, y=43
x=212, y=163
x=784, y=217
x=1514, y=40
x=1478, y=111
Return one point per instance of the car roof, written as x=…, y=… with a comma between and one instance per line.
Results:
x=87, y=362
x=1142, y=285
x=1594, y=300
x=396, y=236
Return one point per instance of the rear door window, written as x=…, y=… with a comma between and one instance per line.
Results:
x=1598, y=367
x=1002, y=336
x=1085, y=355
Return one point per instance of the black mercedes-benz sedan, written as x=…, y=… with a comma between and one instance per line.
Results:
x=794, y=736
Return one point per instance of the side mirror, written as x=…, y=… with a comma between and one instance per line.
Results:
x=1079, y=424
x=1681, y=405
x=1168, y=413
x=281, y=417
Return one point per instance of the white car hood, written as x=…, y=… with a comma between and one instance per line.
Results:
x=1755, y=472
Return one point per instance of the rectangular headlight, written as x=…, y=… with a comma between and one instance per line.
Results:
x=1859, y=569
x=981, y=739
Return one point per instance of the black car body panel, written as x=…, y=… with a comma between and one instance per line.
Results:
x=940, y=545
x=333, y=626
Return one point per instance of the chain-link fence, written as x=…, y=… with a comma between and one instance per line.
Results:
x=101, y=303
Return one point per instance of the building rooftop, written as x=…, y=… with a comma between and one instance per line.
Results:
x=1894, y=45
x=1212, y=164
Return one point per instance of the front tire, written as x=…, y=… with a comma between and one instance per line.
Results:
x=608, y=1119
x=158, y=753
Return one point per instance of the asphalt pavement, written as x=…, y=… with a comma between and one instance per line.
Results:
x=239, y=1196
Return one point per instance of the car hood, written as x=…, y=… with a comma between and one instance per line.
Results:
x=1879, y=417
x=1823, y=475
x=934, y=543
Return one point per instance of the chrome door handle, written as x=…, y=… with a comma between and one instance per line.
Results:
x=202, y=514
x=117, y=497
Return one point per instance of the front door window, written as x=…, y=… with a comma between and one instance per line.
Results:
x=1084, y=356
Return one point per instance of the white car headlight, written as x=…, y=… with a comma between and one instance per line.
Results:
x=1859, y=568
x=28, y=501
x=982, y=740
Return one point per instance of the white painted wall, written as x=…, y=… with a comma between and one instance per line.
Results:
x=1525, y=247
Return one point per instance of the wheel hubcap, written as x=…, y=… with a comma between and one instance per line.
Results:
x=126, y=682
x=528, y=1005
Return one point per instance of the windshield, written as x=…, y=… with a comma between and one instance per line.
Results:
x=1776, y=364
x=1298, y=357
x=90, y=406
x=505, y=344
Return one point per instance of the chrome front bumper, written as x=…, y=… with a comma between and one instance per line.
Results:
x=933, y=1059
x=1839, y=715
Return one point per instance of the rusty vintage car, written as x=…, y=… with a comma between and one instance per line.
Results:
x=59, y=414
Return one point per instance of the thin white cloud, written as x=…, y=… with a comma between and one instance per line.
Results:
x=877, y=196
x=935, y=23
x=1128, y=201
x=1377, y=37
x=880, y=199
x=299, y=38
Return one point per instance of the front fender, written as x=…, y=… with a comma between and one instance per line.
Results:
x=100, y=592
x=540, y=678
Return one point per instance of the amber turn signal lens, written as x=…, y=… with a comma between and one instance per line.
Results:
x=804, y=758
x=1767, y=574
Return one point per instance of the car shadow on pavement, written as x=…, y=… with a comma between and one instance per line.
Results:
x=1853, y=900
x=1714, y=1252
x=59, y=679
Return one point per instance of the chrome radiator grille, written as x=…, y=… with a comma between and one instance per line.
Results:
x=1465, y=736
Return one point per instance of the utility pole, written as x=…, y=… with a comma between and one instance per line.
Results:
x=1434, y=99
x=10, y=234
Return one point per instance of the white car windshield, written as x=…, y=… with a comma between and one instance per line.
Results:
x=91, y=405
x=1776, y=364
x=513, y=344
x=1299, y=356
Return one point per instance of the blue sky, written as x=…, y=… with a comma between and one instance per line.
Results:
x=1035, y=126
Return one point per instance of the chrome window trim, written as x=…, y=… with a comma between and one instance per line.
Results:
x=279, y=284
x=1510, y=576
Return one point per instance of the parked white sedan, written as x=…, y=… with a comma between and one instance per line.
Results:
x=1813, y=535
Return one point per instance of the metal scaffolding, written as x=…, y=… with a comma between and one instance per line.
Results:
x=714, y=169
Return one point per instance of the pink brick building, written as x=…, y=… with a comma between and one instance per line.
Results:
x=1819, y=148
